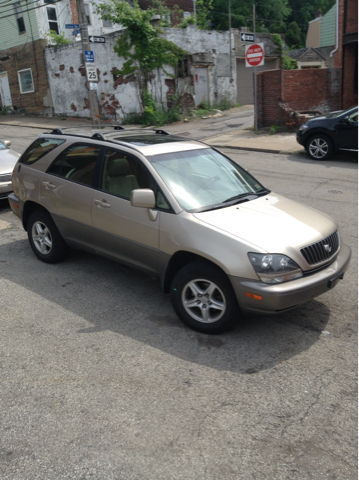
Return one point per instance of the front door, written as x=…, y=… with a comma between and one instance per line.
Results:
x=121, y=230
x=347, y=132
x=201, y=85
x=5, y=90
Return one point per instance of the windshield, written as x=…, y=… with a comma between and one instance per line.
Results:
x=2, y=146
x=204, y=179
x=339, y=113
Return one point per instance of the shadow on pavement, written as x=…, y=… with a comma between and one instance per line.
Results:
x=122, y=300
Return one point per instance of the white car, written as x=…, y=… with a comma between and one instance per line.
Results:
x=8, y=159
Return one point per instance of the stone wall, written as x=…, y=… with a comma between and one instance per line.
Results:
x=119, y=96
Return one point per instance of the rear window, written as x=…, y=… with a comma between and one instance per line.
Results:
x=39, y=148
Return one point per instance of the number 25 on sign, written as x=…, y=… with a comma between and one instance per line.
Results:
x=91, y=72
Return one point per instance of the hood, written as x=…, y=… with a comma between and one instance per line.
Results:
x=273, y=223
x=8, y=159
x=328, y=116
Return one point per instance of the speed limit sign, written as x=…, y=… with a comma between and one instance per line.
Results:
x=91, y=72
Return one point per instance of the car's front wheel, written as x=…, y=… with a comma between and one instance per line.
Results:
x=45, y=239
x=203, y=298
x=319, y=147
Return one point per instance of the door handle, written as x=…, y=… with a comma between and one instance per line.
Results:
x=49, y=185
x=102, y=203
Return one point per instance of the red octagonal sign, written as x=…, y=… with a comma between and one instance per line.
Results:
x=254, y=55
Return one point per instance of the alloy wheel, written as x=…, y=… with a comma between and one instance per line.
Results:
x=42, y=238
x=203, y=300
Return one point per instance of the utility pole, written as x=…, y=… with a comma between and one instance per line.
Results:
x=230, y=37
x=255, y=74
x=93, y=100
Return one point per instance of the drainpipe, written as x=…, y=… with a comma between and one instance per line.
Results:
x=337, y=32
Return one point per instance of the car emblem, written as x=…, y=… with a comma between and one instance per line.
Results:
x=327, y=248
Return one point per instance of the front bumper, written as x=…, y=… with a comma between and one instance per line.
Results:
x=5, y=189
x=301, y=138
x=284, y=296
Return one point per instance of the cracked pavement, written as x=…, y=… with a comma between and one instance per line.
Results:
x=100, y=380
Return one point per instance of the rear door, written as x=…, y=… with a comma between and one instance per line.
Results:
x=122, y=231
x=66, y=192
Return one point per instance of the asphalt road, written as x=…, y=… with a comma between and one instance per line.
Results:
x=100, y=380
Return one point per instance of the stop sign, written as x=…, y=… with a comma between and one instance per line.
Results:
x=254, y=55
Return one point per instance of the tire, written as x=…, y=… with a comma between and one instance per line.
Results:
x=319, y=147
x=45, y=239
x=203, y=298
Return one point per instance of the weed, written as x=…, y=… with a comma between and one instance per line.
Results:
x=5, y=110
x=274, y=129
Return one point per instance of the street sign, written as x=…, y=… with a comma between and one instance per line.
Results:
x=89, y=56
x=247, y=37
x=255, y=55
x=91, y=72
x=97, y=39
x=72, y=26
x=76, y=32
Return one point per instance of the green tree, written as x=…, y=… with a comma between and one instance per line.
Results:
x=293, y=37
x=140, y=45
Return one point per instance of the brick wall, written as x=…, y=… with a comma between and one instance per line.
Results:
x=281, y=92
x=350, y=76
x=268, y=99
x=30, y=55
x=351, y=17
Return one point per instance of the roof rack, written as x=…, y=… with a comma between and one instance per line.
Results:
x=62, y=131
x=65, y=130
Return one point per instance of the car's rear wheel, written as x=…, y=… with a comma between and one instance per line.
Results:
x=45, y=239
x=203, y=298
x=319, y=147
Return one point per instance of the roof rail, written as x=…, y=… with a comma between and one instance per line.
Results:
x=61, y=131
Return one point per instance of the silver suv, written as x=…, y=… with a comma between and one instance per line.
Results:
x=219, y=241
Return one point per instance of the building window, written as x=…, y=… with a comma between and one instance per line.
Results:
x=183, y=68
x=106, y=23
x=87, y=14
x=19, y=18
x=52, y=18
x=25, y=81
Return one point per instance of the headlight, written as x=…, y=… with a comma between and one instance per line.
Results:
x=303, y=127
x=274, y=268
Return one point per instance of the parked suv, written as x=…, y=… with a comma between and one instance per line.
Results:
x=321, y=136
x=219, y=241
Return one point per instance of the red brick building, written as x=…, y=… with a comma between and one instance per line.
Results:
x=280, y=93
x=346, y=57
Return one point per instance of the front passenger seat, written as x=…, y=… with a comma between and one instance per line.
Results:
x=119, y=180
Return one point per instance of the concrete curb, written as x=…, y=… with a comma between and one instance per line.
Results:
x=255, y=149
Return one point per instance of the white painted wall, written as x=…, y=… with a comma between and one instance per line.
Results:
x=69, y=93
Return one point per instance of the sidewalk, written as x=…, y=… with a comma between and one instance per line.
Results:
x=258, y=142
x=239, y=138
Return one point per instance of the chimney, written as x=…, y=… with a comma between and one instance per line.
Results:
x=318, y=13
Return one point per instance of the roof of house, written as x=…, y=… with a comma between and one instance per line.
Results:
x=309, y=53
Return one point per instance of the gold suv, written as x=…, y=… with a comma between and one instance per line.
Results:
x=219, y=241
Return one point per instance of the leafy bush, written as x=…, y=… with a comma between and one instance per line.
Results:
x=58, y=39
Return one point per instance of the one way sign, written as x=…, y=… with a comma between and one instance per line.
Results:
x=247, y=37
x=97, y=39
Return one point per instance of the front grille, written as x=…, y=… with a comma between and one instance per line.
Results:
x=322, y=251
x=5, y=178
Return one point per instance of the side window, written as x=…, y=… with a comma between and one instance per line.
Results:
x=39, y=148
x=353, y=117
x=161, y=202
x=77, y=164
x=122, y=174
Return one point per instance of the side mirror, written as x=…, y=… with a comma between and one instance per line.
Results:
x=7, y=143
x=143, y=197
